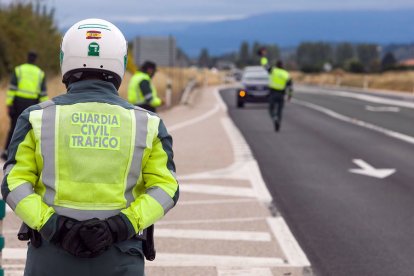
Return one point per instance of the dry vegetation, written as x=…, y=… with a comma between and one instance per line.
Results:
x=398, y=81
x=179, y=79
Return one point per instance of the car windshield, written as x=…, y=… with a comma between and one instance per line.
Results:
x=260, y=76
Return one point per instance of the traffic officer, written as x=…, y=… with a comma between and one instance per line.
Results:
x=27, y=87
x=141, y=91
x=280, y=83
x=88, y=170
x=263, y=58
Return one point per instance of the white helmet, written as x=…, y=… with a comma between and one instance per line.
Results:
x=94, y=45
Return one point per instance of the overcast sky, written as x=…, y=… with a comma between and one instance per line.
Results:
x=68, y=12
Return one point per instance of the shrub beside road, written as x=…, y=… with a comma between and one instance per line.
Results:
x=393, y=80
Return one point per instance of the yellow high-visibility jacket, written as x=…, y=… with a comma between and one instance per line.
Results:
x=90, y=154
x=27, y=83
x=139, y=96
x=278, y=78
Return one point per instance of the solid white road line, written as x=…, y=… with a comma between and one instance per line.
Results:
x=290, y=247
x=215, y=201
x=186, y=260
x=213, y=235
x=231, y=271
x=382, y=108
x=217, y=190
x=358, y=96
x=210, y=221
x=195, y=120
x=14, y=253
x=243, y=153
x=341, y=117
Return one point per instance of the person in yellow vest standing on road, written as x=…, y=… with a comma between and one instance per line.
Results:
x=280, y=83
x=87, y=171
x=141, y=91
x=27, y=88
x=264, y=61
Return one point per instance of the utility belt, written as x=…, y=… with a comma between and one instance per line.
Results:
x=272, y=90
x=146, y=236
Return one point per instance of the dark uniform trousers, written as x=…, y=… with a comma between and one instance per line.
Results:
x=122, y=259
x=276, y=104
x=19, y=105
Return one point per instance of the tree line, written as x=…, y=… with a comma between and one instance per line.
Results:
x=357, y=58
x=28, y=26
x=246, y=56
x=311, y=57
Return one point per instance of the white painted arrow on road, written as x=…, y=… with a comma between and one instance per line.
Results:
x=368, y=170
x=382, y=108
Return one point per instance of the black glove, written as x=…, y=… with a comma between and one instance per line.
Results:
x=67, y=237
x=99, y=235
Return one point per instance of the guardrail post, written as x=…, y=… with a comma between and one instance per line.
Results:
x=168, y=93
x=366, y=83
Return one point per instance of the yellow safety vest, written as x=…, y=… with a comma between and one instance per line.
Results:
x=135, y=95
x=91, y=160
x=278, y=79
x=264, y=61
x=29, y=84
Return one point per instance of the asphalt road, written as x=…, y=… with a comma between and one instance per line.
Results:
x=347, y=224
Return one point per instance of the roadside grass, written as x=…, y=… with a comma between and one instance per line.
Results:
x=179, y=78
x=394, y=81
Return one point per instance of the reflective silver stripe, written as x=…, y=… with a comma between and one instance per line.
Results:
x=47, y=143
x=8, y=169
x=43, y=94
x=12, y=87
x=141, y=131
x=162, y=197
x=26, y=92
x=85, y=214
x=46, y=104
x=148, y=96
x=18, y=194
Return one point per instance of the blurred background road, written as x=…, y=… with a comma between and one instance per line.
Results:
x=347, y=223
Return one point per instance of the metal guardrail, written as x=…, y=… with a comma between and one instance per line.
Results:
x=187, y=91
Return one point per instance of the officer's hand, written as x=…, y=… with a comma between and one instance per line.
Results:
x=99, y=235
x=68, y=238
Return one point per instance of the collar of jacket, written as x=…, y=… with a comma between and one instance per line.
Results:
x=86, y=86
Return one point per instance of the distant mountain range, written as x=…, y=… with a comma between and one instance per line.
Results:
x=285, y=29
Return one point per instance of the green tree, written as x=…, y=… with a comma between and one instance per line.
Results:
x=244, y=55
x=254, y=56
x=388, y=61
x=25, y=26
x=354, y=65
x=343, y=53
x=273, y=53
x=204, y=58
x=311, y=57
x=368, y=55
